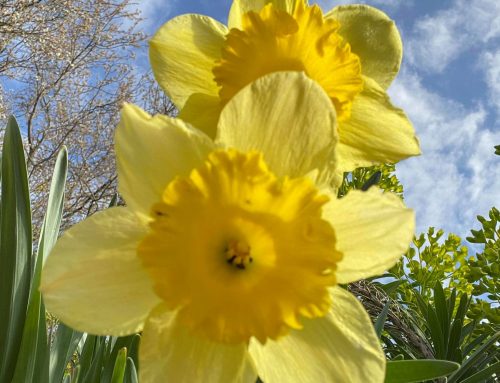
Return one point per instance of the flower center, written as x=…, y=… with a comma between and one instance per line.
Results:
x=239, y=253
x=273, y=40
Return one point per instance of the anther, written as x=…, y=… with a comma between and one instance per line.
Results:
x=238, y=254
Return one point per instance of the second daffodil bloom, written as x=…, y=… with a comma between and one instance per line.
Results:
x=353, y=52
x=228, y=254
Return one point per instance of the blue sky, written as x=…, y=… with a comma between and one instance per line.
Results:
x=449, y=86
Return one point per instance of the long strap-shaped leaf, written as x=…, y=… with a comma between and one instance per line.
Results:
x=15, y=249
x=484, y=374
x=32, y=364
x=477, y=355
x=409, y=371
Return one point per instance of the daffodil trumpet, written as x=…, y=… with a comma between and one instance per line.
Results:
x=353, y=52
x=229, y=252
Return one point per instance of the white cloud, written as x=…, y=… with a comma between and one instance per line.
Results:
x=393, y=4
x=439, y=39
x=490, y=63
x=458, y=176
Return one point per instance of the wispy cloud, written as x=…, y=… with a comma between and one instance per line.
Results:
x=393, y=4
x=439, y=39
x=490, y=64
x=458, y=175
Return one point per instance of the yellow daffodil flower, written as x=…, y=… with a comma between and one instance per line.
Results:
x=353, y=52
x=228, y=254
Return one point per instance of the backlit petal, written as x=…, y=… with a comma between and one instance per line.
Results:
x=340, y=347
x=182, y=54
x=286, y=116
x=93, y=280
x=151, y=151
x=374, y=37
x=202, y=111
x=169, y=353
x=376, y=132
x=240, y=7
x=373, y=230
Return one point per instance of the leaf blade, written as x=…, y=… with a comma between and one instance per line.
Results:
x=15, y=249
x=408, y=371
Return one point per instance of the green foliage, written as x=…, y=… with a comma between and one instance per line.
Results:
x=431, y=260
x=440, y=302
x=408, y=371
x=483, y=270
x=28, y=355
x=440, y=328
x=361, y=178
x=16, y=266
x=486, y=354
x=105, y=360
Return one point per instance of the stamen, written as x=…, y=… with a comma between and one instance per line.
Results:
x=238, y=254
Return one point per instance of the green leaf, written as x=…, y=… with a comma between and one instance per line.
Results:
x=15, y=249
x=422, y=305
x=31, y=364
x=87, y=353
x=33, y=356
x=457, y=331
x=53, y=215
x=407, y=371
x=76, y=375
x=390, y=287
x=133, y=349
x=380, y=322
x=436, y=333
x=0, y=191
x=65, y=342
x=444, y=318
x=93, y=372
x=484, y=374
x=475, y=357
x=131, y=372
x=120, y=365
x=474, y=343
x=109, y=365
x=451, y=302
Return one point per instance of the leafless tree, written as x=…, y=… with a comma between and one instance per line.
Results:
x=66, y=67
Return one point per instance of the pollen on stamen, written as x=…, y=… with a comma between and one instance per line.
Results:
x=238, y=254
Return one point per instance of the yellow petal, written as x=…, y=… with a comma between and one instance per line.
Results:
x=240, y=7
x=373, y=230
x=202, y=111
x=182, y=54
x=286, y=116
x=151, y=151
x=340, y=347
x=93, y=280
x=376, y=132
x=169, y=353
x=374, y=37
